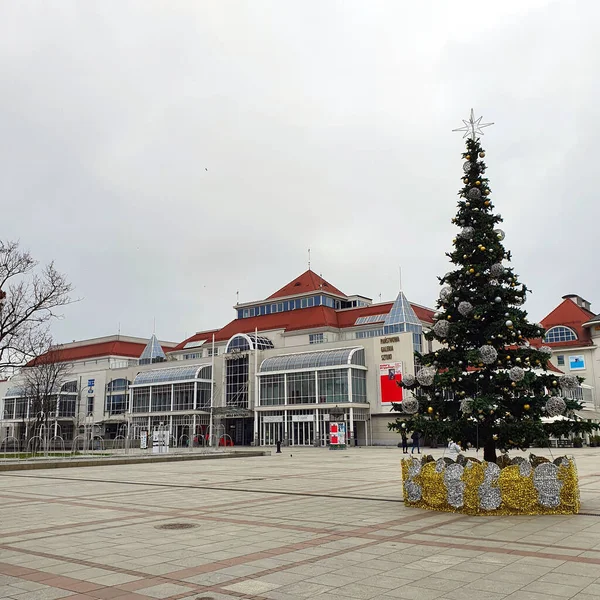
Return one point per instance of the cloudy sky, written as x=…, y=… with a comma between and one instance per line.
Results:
x=167, y=154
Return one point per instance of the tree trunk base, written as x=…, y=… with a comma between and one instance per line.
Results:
x=489, y=451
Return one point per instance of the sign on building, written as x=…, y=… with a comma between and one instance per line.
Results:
x=390, y=375
x=143, y=440
x=337, y=434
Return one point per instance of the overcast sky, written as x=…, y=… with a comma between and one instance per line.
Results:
x=167, y=154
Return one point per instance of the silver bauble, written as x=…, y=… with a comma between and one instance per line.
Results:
x=474, y=193
x=516, y=374
x=501, y=235
x=441, y=328
x=408, y=380
x=509, y=323
x=546, y=350
x=426, y=376
x=445, y=293
x=569, y=382
x=466, y=232
x=496, y=269
x=555, y=406
x=488, y=354
x=466, y=406
x=497, y=299
x=467, y=166
x=465, y=308
x=410, y=406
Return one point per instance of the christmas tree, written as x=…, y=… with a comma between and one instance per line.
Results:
x=487, y=385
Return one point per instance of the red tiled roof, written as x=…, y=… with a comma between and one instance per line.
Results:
x=112, y=348
x=569, y=314
x=201, y=336
x=297, y=320
x=309, y=281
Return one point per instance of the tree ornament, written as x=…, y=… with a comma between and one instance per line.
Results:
x=403, y=425
x=497, y=299
x=466, y=232
x=488, y=354
x=474, y=193
x=441, y=328
x=430, y=409
x=526, y=406
x=497, y=269
x=546, y=350
x=499, y=234
x=466, y=406
x=478, y=183
x=516, y=374
x=471, y=270
x=465, y=308
x=495, y=437
x=466, y=168
x=494, y=282
x=509, y=323
x=445, y=293
x=408, y=380
x=426, y=376
x=569, y=382
x=555, y=406
x=410, y=406
x=481, y=154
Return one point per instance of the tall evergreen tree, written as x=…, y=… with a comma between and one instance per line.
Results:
x=487, y=385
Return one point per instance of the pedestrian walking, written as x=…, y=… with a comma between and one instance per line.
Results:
x=415, y=444
x=453, y=449
x=404, y=442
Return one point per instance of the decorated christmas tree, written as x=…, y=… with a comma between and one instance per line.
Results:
x=489, y=385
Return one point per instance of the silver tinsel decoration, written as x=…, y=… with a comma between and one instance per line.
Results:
x=445, y=293
x=547, y=484
x=474, y=193
x=555, y=406
x=410, y=406
x=497, y=269
x=414, y=468
x=490, y=497
x=455, y=485
x=412, y=491
x=525, y=469
x=426, y=376
x=408, y=380
x=466, y=232
x=466, y=166
x=465, y=308
x=500, y=234
x=488, y=354
x=466, y=406
x=546, y=350
x=569, y=382
x=439, y=465
x=441, y=328
x=516, y=374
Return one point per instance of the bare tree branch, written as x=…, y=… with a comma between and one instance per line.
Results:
x=28, y=300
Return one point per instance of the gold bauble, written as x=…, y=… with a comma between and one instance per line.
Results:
x=478, y=183
x=487, y=202
x=487, y=192
x=554, y=383
x=513, y=384
x=495, y=437
x=465, y=180
x=480, y=411
x=454, y=240
x=468, y=157
x=508, y=357
x=526, y=406
x=481, y=154
x=429, y=409
x=454, y=380
x=471, y=270
x=482, y=248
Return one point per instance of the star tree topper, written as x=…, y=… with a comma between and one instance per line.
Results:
x=473, y=126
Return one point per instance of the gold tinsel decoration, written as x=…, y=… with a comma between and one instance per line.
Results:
x=518, y=492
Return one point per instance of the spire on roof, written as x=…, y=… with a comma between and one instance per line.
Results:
x=152, y=353
x=402, y=317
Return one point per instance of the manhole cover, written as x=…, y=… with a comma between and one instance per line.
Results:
x=176, y=526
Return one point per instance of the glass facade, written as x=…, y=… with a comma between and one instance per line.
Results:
x=294, y=304
x=333, y=386
x=312, y=360
x=242, y=342
x=272, y=390
x=115, y=402
x=173, y=374
x=301, y=388
x=236, y=382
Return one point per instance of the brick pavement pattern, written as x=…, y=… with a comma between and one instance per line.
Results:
x=303, y=524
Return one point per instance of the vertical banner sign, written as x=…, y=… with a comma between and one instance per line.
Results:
x=390, y=375
x=143, y=440
x=337, y=434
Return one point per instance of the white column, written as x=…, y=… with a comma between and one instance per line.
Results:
x=212, y=391
x=351, y=423
x=172, y=395
x=285, y=401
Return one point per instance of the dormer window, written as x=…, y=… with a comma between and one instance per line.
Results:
x=559, y=334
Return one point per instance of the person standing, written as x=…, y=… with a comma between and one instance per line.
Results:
x=453, y=449
x=404, y=442
x=415, y=442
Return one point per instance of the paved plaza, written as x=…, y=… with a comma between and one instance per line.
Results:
x=303, y=524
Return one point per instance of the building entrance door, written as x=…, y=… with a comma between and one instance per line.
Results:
x=271, y=434
x=303, y=433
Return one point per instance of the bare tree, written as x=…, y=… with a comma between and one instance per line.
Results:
x=43, y=380
x=29, y=298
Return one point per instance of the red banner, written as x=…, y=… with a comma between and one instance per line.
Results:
x=390, y=375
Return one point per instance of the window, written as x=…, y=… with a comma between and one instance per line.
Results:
x=236, y=382
x=560, y=360
x=116, y=404
x=577, y=363
x=301, y=388
x=316, y=338
x=90, y=405
x=161, y=398
x=559, y=334
x=359, y=385
x=369, y=333
x=212, y=352
x=203, y=395
x=9, y=408
x=333, y=385
x=272, y=390
x=183, y=396
x=192, y=356
x=66, y=406
x=417, y=343
x=141, y=399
